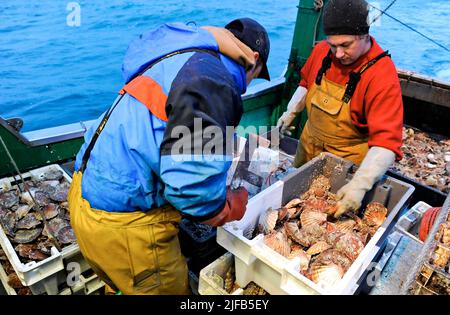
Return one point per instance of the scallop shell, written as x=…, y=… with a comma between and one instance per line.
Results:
x=278, y=242
x=26, y=236
x=444, y=233
x=330, y=227
x=25, y=291
x=350, y=244
x=317, y=248
x=41, y=198
x=14, y=281
x=50, y=211
x=321, y=182
x=318, y=205
x=326, y=275
x=66, y=235
x=9, y=198
x=294, y=233
x=60, y=194
x=293, y=203
x=345, y=225
x=334, y=256
x=283, y=213
x=441, y=256
x=29, y=221
x=267, y=221
x=308, y=218
x=319, y=192
x=22, y=211
x=53, y=175
x=375, y=214
x=8, y=220
x=302, y=256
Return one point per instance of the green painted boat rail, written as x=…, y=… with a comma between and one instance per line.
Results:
x=308, y=30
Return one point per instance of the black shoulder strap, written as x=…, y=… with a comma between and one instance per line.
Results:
x=102, y=124
x=326, y=64
x=355, y=77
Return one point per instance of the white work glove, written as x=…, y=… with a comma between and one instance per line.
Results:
x=295, y=106
x=375, y=164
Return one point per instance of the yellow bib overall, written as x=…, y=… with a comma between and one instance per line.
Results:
x=134, y=252
x=329, y=127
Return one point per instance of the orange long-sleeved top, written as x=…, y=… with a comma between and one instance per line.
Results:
x=376, y=107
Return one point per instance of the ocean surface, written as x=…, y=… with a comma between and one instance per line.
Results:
x=59, y=67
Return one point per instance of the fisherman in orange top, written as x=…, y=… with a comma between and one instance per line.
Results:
x=352, y=94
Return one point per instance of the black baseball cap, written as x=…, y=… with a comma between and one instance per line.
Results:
x=254, y=35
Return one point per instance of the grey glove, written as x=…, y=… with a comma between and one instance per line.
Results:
x=295, y=106
x=375, y=164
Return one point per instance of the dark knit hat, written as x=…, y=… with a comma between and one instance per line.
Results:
x=346, y=17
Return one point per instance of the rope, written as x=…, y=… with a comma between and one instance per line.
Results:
x=318, y=4
x=409, y=27
x=387, y=8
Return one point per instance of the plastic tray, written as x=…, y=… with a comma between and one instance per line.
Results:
x=46, y=275
x=209, y=283
x=254, y=261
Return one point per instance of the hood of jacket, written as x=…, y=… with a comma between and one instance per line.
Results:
x=171, y=37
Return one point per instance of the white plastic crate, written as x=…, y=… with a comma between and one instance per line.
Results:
x=88, y=284
x=254, y=261
x=409, y=223
x=11, y=291
x=41, y=276
x=208, y=285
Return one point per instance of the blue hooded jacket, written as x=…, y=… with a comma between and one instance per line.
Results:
x=135, y=164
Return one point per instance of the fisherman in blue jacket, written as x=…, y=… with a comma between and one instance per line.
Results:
x=148, y=160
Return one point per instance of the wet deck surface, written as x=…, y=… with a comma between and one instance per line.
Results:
x=398, y=267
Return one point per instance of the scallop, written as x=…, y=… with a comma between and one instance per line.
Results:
x=308, y=218
x=278, y=242
x=326, y=275
x=27, y=236
x=375, y=214
x=267, y=221
x=50, y=211
x=293, y=203
x=302, y=256
x=22, y=211
x=345, y=225
x=30, y=221
x=9, y=198
x=350, y=244
x=317, y=248
x=66, y=235
x=53, y=175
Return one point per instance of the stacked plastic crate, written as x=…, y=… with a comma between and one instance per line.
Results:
x=62, y=271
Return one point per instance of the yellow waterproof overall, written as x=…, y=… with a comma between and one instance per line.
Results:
x=329, y=127
x=134, y=252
